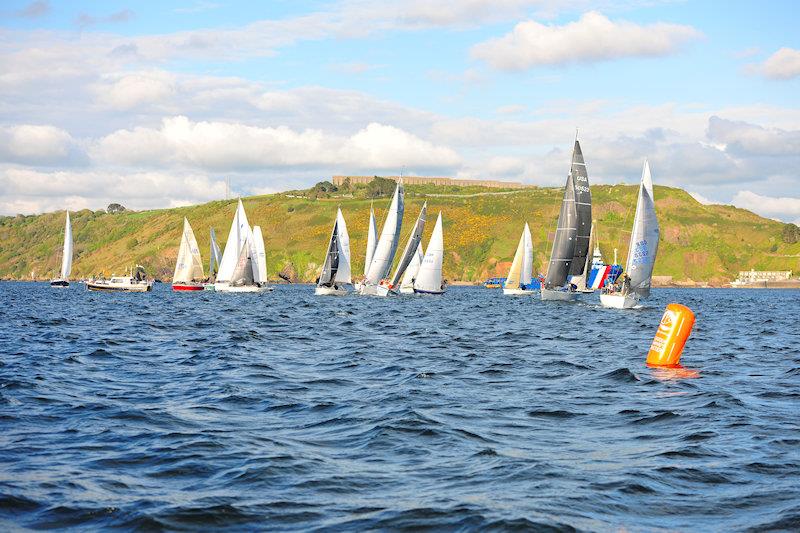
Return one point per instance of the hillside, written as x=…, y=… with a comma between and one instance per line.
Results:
x=698, y=242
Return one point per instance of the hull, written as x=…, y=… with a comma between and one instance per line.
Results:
x=224, y=287
x=330, y=291
x=59, y=283
x=406, y=290
x=619, y=301
x=382, y=290
x=420, y=291
x=105, y=287
x=368, y=290
x=209, y=287
x=550, y=295
x=518, y=292
x=187, y=286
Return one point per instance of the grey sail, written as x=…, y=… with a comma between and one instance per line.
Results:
x=243, y=270
x=564, y=243
x=411, y=246
x=583, y=209
x=331, y=266
x=644, y=238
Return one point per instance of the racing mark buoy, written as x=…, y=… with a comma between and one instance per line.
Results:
x=671, y=336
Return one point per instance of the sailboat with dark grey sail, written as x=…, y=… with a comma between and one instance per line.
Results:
x=392, y=286
x=641, y=251
x=571, y=243
x=336, y=268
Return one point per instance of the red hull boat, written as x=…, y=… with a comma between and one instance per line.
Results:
x=186, y=287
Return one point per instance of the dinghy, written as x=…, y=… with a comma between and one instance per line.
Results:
x=372, y=242
x=66, y=258
x=386, y=248
x=641, y=251
x=521, y=272
x=407, y=285
x=391, y=286
x=336, y=268
x=571, y=243
x=188, y=274
x=429, y=278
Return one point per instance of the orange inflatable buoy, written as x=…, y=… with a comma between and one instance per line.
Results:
x=674, y=329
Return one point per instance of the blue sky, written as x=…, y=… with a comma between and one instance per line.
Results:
x=179, y=95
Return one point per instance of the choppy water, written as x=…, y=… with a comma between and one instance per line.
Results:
x=471, y=411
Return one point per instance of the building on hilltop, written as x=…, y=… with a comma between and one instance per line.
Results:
x=433, y=180
x=762, y=276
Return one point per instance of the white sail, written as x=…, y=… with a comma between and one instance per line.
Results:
x=411, y=246
x=189, y=265
x=390, y=235
x=513, y=278
x=243, y=272
x=259, y=256
x=240, y=228
x=429, y=277
x=66, y=259
x=644, y=238
x=372, y=240
x=216, y=255
x=413, y=269
x=343, y=274
x=527, y=259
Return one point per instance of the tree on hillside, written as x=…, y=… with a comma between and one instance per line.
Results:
x=115, y=208
x=791, y=234
x=380, y=187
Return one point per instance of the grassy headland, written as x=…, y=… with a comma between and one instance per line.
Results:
x=698, y=242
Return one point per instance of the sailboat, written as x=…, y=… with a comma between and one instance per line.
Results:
x=213, y=262
x=243, y=265
x=521, y=271
x=571, y=244
x=336, y=268
x=641, y=251
x=372, y=242
x=188, y=274
x=407, y=285
x=386, y=248
x=392, y=285
x=66, y=258
x=429, y=277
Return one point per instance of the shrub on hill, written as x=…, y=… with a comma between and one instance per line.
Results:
x=791, y=234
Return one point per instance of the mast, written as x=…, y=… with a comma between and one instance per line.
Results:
x=66, y=258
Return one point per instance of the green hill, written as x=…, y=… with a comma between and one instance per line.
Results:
x=482, y=226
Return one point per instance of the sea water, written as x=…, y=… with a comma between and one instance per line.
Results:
x=469, y=411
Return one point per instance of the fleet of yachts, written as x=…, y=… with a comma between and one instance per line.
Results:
x=242, y=267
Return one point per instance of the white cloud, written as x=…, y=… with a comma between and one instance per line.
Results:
x=125, y=91
x=592, y=38
x=224, y=146
x=34, y=144
x=781, y=208
x=782, y=65
x=742, y=138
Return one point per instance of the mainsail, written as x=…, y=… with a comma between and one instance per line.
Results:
x=583, y=209
x=429, y=277
x=243, y=269
x=259, y=256
x=189, y=265
x=387, y=244
x=372, y=240
x=644, y=238
x=343, y=274
x=216, y=255
x=527, y=262
x=240, y=229
x=514, y=277
x=564, y=243
x=411, y=246
x=413, y=269
x=66, y=259
x=331, y=265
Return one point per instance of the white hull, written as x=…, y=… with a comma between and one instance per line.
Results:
x=518, y=292
x=558, y=296
x=225, y=287
x=619, y=301
x=118, y=287
x=368, y=290
x=406, y=290
x=330, y=291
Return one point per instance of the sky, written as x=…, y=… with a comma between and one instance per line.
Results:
x=156, y=104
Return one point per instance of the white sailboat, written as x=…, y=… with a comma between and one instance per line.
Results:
x=429, y=278
x=407, y=285
x=386, y=248
x=243, y=265
x=237, y=236
x=66, y=258
x=641, y=251
x=372, y=242
x=521, y=271
x=336, y=268
x=391, y=286
x=188, y=274
x=571, y=244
